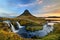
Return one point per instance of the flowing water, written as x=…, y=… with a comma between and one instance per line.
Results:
x=47, y=28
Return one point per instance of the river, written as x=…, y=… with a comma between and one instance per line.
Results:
x=47, y=28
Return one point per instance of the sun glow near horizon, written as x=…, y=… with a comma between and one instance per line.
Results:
x=51, y=13
x=48, y=14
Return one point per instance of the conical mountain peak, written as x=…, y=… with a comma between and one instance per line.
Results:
x=26, y=13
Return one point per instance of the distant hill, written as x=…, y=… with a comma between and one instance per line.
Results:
x=53, y=17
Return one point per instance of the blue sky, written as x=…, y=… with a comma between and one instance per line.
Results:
x=36, y=7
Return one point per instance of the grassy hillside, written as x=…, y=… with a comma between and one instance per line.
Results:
x=4, y=27
x=10, y=36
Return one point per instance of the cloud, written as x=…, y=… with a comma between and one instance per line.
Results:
x=8, y=14
x=4, y=13
x=39, y=1
x=22, y=5
x=28, y=4
x=51, y=13
x=51, y=6
x=47, y=7
x=56, y=11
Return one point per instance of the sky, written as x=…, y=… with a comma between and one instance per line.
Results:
x=37, y=8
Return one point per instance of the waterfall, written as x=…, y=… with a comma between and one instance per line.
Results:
x=19, y=25
x=13, y=29
x=46, y=29
x=7, y=22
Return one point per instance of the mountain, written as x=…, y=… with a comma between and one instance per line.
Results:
x=25, y=14
x=53, y=17
x=27, y=18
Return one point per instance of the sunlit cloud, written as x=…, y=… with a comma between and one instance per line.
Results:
x=56, y=11
x=39, y=1
x=51, y=13
x=47, y=7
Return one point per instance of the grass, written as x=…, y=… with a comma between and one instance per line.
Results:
x=34, y=28
x=6, y=35
x=9, y=36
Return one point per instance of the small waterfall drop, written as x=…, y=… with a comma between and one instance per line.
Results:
x=13, y=29
x=18, y=24
x=7, y=22
x=11, y=26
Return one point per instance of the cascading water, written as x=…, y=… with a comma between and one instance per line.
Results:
x=18, y=24
x=47, y=28
x=7, y=22
x=13, y=29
